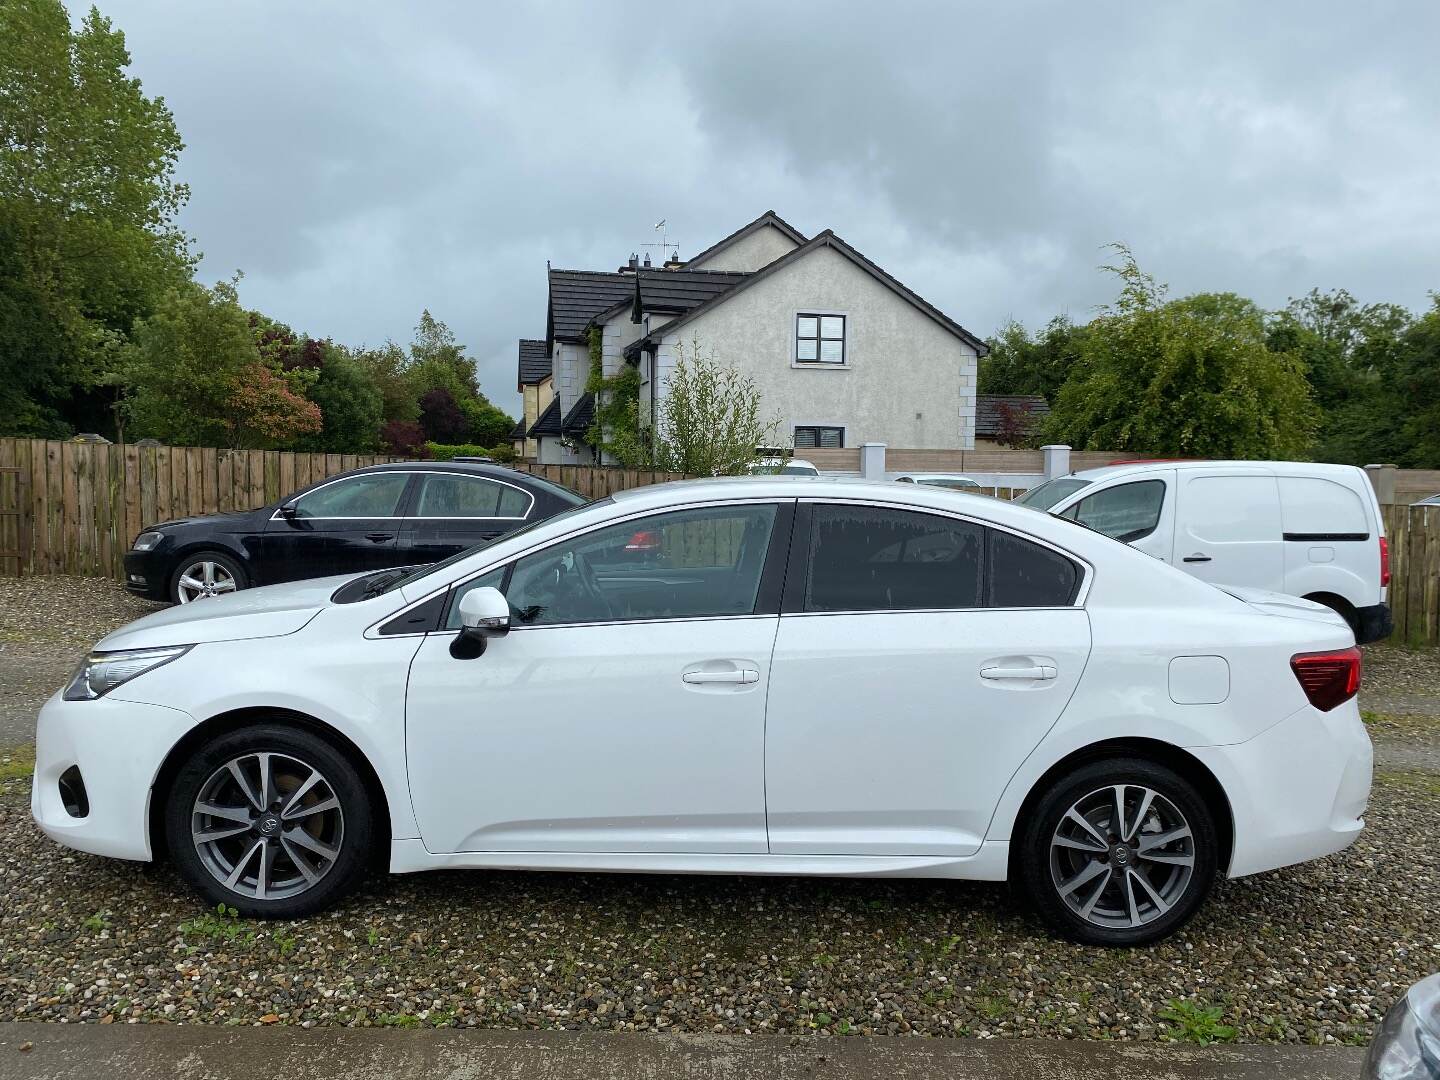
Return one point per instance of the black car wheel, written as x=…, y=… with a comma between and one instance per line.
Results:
x=1120, y=852
x=270, y=820
x=204, y=574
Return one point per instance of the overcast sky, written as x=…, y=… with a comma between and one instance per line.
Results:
x=362, y=161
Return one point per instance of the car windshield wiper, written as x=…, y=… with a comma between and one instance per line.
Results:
x=383, y=580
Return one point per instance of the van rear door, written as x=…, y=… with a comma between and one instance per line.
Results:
x=1331, y=537
x=1228, y=528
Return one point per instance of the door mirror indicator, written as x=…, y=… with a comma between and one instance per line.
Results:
x=484, y=613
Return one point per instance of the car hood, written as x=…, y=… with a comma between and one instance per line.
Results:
x=225, y=519
x=1275, y=603
x=272, y=611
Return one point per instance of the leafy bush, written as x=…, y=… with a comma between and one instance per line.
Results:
x=404, y=438
x=450, y=451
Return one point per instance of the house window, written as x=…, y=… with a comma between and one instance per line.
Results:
x=819, y=339
x=825, y=438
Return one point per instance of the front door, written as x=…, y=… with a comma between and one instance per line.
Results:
x=919, y=660
x=624, y=711
x=348, y=526
x=1228, y=529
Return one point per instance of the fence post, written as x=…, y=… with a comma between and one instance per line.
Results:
x=1057, y=460
x=872, y=460
x=1383, y=479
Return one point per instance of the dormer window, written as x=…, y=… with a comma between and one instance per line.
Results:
x=819, y=339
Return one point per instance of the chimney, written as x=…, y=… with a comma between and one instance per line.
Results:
x=631, y=266
x=674, y=263
x=647, y=260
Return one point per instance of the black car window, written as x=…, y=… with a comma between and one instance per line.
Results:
x=682, y=564
x=451, y=495
x=871, y=559
x=372, y=495
x=1025, y=574
x=1126, y=512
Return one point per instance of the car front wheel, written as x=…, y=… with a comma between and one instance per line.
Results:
x=270, y=820
x=1120, y=852
x=205, y=574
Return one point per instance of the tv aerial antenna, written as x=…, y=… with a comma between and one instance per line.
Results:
x=665, y=243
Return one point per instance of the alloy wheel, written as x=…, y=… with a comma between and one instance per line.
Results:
x=1122, y=856
x=202, y=578
x=267, y=825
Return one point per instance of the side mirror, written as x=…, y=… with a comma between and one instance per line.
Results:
x=484, y=613
x=287, y=511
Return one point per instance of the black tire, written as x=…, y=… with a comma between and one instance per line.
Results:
x=352, y=838
x=228, y=563
x=1041, y=866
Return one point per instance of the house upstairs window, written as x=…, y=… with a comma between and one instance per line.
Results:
x=819, y=339
x=825, y=438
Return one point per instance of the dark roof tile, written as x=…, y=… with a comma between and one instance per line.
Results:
x=577, y=296
x=549, y=420
x=534, y=366
x=578, y=420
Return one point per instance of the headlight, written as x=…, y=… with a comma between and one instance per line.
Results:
x=101, y=672
x=1407, y=1045
x=147, y=540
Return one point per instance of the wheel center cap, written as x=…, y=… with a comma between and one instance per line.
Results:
x=268, y=825
x=1120, y=854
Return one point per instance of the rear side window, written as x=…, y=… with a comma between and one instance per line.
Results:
x=866, y=558
x=1127, y=511
x=1025, y=574
x=1315, y=508
x=449, y=495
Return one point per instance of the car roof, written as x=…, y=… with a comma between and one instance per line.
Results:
x=1284, y=468
x=474, y=467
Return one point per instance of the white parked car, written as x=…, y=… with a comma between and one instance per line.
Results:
x=954, y=481
x=776, y=466
x=808, y=677
x=1433, y=500
x=1296, y=527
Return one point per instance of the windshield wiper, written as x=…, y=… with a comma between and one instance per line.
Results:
x=383, y=580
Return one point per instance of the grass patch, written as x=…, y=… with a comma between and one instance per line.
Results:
x=17, y=763
x=1427, y=783
x=1393, y=724
x=1189, y=1021
x=221, y=925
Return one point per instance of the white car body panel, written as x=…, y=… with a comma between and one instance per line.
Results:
x=582, y=748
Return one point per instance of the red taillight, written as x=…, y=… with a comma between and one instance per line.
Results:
x=644, y=540
x=1384, y=562
x=1328, y=678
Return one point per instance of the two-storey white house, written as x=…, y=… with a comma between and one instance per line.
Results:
x=841, y=351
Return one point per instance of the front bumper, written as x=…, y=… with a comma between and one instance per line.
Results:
x=147, y=574
x=118, y=747
x=1297, y=791
x=1373, y=623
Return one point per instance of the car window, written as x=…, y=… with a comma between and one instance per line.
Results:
x=871, y=559
x=450, y=495
x=1127, y=511
x=374, y=495
x=1026, y=574
x=495, y=579
x=692, y=563
x=1051, y=492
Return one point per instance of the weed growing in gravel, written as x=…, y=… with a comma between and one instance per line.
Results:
x=372, y=936
x=1415, y=780
x=400, y=1020
x=1200, y=1024
x=223, y=924
x=17, y=763
x=97, y=922
x=285, y=942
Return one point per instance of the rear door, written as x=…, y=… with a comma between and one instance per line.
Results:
x=451, y=511
x=918, y=660
x=1228, y=528
x=350, y=525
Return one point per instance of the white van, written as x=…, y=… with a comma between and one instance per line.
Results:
x=1302, y=528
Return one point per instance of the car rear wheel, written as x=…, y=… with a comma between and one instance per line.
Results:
x=270, y=820
x=205, y=574
x=1121, y=852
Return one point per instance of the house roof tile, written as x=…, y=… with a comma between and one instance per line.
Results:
x=534, y=361
x=548, y=422
x=577, y=421
x=577, y=296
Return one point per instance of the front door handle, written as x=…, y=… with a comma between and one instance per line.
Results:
x=738, y=675
x=1035, y=671
x=1197, y=557
x=379, y=538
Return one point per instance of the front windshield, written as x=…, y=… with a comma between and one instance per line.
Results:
x=1051, y=492
x=415, y=573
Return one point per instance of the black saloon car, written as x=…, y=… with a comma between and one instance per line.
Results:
x=368, y=519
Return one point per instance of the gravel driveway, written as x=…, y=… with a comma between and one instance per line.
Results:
x=1311, y=954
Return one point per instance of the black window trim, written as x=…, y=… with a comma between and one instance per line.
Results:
x=819, y=337
x=798, y=569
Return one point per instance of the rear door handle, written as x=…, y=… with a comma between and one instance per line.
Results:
x=1197, y=557
x=1037, y=671
x=738, y=675
x=379, y=538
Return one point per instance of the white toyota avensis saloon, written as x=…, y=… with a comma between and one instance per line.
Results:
x=762, y=675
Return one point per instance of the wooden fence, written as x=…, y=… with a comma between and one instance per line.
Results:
x=1414, y=538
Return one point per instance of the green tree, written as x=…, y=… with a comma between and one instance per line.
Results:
x=1021, y=364
x=437, y=362
x=1190, y=377
x=388, y=370
x=87, y=204
x=185, y=364
x=1419, y=384
x=710, y=420
x=351, y=406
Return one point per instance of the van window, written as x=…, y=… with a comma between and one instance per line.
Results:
x=1314, y=508
x=1126, y=511
x=1231, y=509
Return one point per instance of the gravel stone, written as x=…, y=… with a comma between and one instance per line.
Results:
x=1313, y=954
